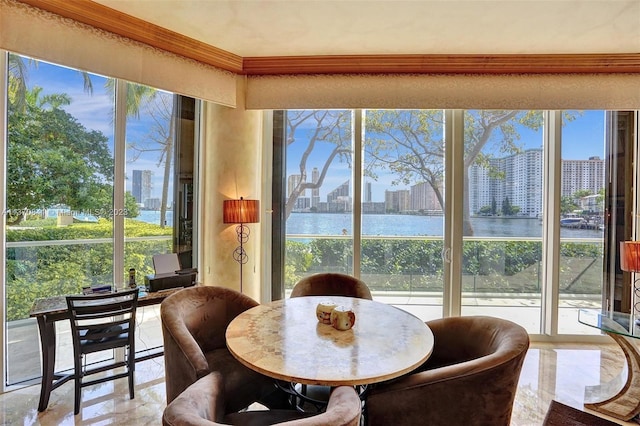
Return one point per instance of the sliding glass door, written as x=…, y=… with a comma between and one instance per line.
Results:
x=503, y=202
x=402, y=205
x=402, y=163
x=582, y=222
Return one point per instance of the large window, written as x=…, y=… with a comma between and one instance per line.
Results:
x=367, y=194
x=402, y=198
x=91, y=192
x=318, y=206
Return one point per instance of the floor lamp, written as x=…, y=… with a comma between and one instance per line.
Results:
x=241, y=211
x=630, y=262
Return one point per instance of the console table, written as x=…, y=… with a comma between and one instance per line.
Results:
x=51, y=309
x=619, y=398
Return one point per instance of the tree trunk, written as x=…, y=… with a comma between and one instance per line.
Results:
x=168, y=156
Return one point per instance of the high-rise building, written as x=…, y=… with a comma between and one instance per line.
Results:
x=141, y=185
x=340, y=191
x=424, y=198
x=338, y=200
x=366, y=194
x=521, y=181
x=582, y=175
x=397, y=201
x=517, y=177
x=315, y=192
x=292, y=182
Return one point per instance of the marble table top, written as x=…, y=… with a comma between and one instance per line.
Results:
x=284, y=340
x=58, y=304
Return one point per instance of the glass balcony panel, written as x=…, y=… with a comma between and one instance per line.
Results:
x=37, y=269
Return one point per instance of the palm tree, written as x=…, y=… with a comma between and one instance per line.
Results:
x=18, y=76
x=161, y=108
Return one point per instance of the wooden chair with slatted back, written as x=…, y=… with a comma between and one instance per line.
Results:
x=101, y=322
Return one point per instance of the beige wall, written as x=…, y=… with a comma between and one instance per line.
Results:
x=230, y=168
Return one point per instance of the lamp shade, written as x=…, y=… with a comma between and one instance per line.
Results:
x=630, y=256
x=241, y=211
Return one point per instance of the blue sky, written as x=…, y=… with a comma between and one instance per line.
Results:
x=582, y=138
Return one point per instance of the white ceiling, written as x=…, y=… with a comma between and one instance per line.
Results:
x=349, y=27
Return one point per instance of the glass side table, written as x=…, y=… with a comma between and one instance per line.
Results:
x=619, y=398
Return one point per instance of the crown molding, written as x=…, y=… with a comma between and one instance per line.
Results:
x=105, y=18
x=444, y=64
x=111, y=20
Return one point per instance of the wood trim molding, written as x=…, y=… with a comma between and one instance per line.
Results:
x=105, y=18
x=111, y=20
x=444, y=64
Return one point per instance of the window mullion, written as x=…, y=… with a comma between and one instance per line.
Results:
x=119, y=180
x=357, y=191
x=454, y=190
x=551, y=220
x=4, y=57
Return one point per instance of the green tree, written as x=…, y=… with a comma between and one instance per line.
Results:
x=325, y=128
x=600, y=200
x=18, y=74
x=137, y=96
x=411, y=145
x=567, y=204
x=506, y=207
x=131, y=206
x=52, y=159
x=485, y=210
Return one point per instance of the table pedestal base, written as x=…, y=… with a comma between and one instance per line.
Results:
x=625, y=402
x=300, y=399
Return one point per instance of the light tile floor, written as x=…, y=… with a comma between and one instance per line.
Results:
x=558, y=372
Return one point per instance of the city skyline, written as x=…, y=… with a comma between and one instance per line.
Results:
x=583, y=136
x=522, y=185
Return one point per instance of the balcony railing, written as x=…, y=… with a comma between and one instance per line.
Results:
x=490, y=266
x=47, y=268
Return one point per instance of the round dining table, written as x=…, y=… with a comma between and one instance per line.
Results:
x=284, y=340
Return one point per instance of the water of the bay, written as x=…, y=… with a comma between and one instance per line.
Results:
x=153, y=216
x=149, y=216
x=413, y=225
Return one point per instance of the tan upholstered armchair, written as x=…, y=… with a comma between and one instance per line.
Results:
x=331, y=284
x=194, y=321
x=470, y=379
x=203, y=404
